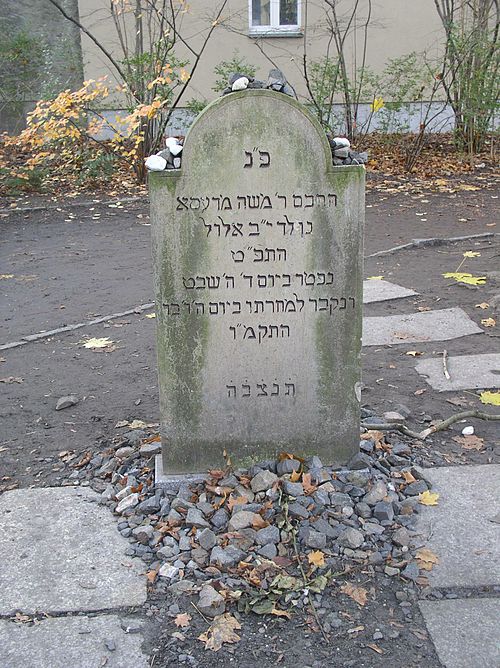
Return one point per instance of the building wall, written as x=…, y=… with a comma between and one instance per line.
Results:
x=397, y=27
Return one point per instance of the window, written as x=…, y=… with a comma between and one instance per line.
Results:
x=274, y=17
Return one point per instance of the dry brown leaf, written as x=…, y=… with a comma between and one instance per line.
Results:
x=259, y=523
x=151, y=576
x=375, y=648
x=307, y=484
x=408, y=476
x=426, y=558
x=281, y=613
x=373, y=435
x=358, y=594
x=417, y=393
x=316, y=558
x=235, y=500
x=294, y=476
x=182, y=620
x=220, y=631
x=428, y=498
x=470, y=442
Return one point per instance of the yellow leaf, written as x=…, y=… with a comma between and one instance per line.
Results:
x=316, y=558
x=377, y=104
x=182, y=619
x=482, y=305
x=294, y=476
x=358, y=594
x=471, y=254
x=98, y=343
x=462, y=277
x=492, y=398
x=426, y=558
x=374, y=278
x=150, y=315
x=2, y=276
x=466, y=186
x=137, y=424
x=221, y=630
x=488, y=322
x=428, y=498
x=414, y=353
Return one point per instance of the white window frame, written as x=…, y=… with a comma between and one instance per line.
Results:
x=275, y=29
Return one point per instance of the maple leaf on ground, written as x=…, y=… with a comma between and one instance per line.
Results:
x=221, y=630
x=463, y=277
x=492, y=398
x=358, y=594
x=316, y=558
x=428, y=498
x=471, y=254
x=294, y=476
x=408, y=476
x=94, y=343
x=426, y=559
x=182, y=619
x=488, y=322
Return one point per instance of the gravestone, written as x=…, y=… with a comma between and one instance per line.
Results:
x=257, y=250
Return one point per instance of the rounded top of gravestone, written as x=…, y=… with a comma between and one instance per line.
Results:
x=247, y=118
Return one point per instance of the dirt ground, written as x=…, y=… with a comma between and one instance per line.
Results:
x=71, y=263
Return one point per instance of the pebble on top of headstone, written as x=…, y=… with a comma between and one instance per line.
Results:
x=258, y=279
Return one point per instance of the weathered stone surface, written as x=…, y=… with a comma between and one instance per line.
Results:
x=257, y=254
x=467, y=372
x=380, y=291
x=465, y=632
x=461, y=530
x=60, y=552
x=82, y=642
x=211, y=603
x=439, y=325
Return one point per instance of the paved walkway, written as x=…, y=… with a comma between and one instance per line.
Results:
x=63, y=561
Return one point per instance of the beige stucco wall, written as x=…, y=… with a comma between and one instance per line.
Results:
x=397, y=27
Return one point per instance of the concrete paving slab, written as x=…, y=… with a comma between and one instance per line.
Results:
x=440, y=325
x=381, y=291
x=75, y=642
x=467, y=372
x=60, y=551
x=464, y=631
x=460, y=530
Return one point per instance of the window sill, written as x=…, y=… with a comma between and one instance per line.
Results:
x=272, y=33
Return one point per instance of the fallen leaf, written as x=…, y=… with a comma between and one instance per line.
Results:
x=259, y=523
x=222, y=630
x=375, y=278
x=235, y=500
x=428, y=498
x=492, y=398
x=11, y=379
x=408, y=476
x=375, y=648
x=358, y=594
x=4, y=276
x=414, y=353
x=137, y=424
x=307, y=484
x=470, y=442
x=150, y=315
x=466, y=186
x=488, y=322
x=294, y=476
x=151, y=576
x=462, y=277
x=94, y=343
x=482, y=305
x=182, y=619
x=417, y=393
x=316, y=558
x=426, y=559
x=471, y=254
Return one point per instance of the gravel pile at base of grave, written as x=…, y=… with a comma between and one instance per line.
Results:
x=261, y=535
